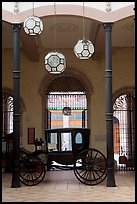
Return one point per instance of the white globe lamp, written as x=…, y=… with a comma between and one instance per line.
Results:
x=33, y=25
x=84, y=49
x=55, y=62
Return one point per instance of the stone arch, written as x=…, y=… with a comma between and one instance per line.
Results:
x=69, y=80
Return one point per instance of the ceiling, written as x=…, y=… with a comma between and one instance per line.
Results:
x=63, y=32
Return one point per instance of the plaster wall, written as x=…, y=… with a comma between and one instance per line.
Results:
x=32, y=75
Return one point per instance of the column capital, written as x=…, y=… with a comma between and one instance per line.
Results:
x=16, y=26
x=108, y=26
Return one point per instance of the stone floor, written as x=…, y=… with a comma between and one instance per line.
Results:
x=63, y=186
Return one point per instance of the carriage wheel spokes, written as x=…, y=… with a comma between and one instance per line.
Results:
x=32, y=170
x=90, y=167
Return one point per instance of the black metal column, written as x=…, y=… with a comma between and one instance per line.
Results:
x=109, y=108
x=16, y=107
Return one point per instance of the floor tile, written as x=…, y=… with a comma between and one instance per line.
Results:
x=63, y=186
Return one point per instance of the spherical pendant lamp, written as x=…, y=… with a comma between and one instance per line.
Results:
x=33, y=25
x=84, y=48
x=55, y=62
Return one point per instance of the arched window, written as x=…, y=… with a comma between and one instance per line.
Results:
x=78, y=138
x=7, y=114
x=124, y=127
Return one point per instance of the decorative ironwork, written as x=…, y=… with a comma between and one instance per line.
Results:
x=122, y=102
x=7, y=103
x=74, y=101
x=124, y=131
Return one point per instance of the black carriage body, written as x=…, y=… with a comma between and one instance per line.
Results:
x=89, y=164
x=78, y=141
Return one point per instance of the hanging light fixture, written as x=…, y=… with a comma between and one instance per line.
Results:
x=33, y=25
x=84, y=48
x=55, y=62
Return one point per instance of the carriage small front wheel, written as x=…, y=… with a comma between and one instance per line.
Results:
x=90, y=167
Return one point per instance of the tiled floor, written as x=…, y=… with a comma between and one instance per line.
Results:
x=62, y=186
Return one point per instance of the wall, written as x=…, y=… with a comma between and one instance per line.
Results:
x=32, y=75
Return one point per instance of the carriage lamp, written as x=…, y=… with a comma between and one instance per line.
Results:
x=84, y=49
x=33, y=25
x=55, y=62
x=67, y=111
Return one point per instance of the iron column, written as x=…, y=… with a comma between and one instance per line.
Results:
x=109, y=108
x=16, y=107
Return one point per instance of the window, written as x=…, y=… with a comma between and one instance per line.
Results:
x=7, y=114
x=72, y=117
x=59, y=116
x=56, y=116
x=78, y=116
x=78, y=138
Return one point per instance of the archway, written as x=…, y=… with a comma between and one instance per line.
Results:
x=124, y=128
x=69, y=81
x=7, y=128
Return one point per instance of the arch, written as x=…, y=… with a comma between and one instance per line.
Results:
x=8, y=91
x=79, y=76
x=69, y=9
x=79, y=79
x=124, y=127
x=123, y=90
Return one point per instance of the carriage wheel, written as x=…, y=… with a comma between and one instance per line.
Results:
x=32, y=170
x=90, y=167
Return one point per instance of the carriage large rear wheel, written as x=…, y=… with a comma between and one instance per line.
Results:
x=90, y=167
x=32, y=170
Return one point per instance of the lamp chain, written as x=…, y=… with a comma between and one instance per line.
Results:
x=54, y=26
x=83, y=23
x=33, y=8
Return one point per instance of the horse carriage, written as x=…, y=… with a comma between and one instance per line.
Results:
x=66, y=149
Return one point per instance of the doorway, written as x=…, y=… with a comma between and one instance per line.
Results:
x=69, y=91
x=124, y=130
x=67, y=110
